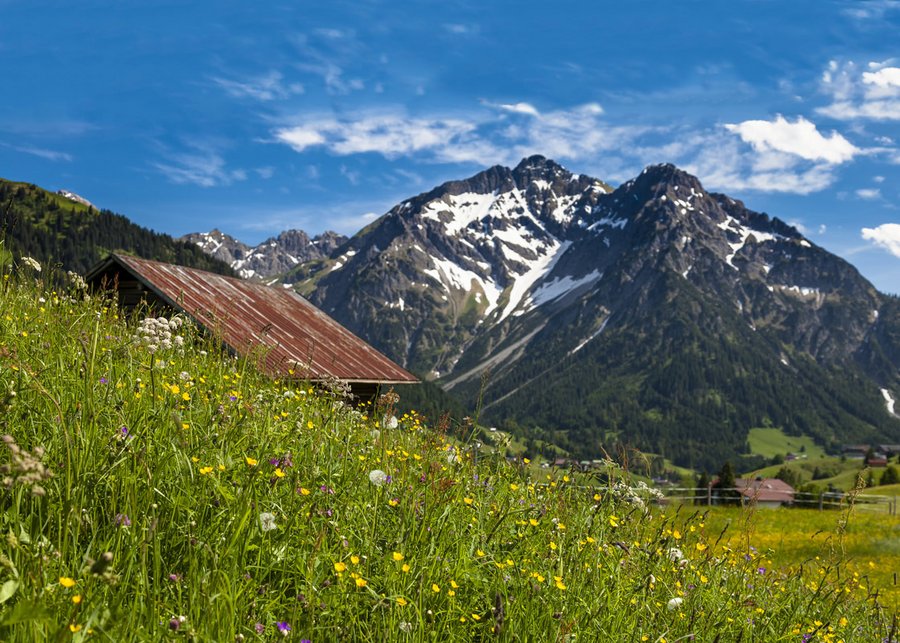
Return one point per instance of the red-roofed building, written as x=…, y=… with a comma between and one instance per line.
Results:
x=300, y=340
x=764, y=492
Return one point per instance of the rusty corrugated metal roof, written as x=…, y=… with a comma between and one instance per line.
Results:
x=246, y=315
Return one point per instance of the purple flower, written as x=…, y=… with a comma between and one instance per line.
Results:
x=174, y=624
x=260, y=628
x=283, y=627
x=175, y=577
x=122, y=520
x=124, y=431
x=761, y=570
x=103, y=380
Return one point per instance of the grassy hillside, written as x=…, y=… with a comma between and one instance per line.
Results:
x=155, y=488
x=55, y=230
x=770, y=442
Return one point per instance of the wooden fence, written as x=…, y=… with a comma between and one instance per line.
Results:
x=833, y=500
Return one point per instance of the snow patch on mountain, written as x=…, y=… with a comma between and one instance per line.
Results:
x=535, y=271
x=557, y=287
x=888, y=401
x=454, y=277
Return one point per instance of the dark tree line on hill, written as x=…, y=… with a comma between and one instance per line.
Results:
x=59, y=232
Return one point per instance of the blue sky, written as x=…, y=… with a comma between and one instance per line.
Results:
x=258, y=117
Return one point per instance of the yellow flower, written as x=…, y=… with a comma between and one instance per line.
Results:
x=676, y=535
x=435, y=588
x=361, y=582
x=354, y=559
x=76, y=599
x=393, y=503
x=402, y=602
x=397, y=556
x=405, y=569
x=251, y=461
x=340, y=567
x=701, y=547
x=66, y=582
x=454, y=585
x=479, y=553
x=533, y=522
x=185, y=426
x=475, y=617
x=613, y=521
x=310, y=424
x=304, y=491
x=278, y=472
x=553, y=545
x=74, y=628
x=559, y=584
x=450, y=592
x=205, y=470
x=513, y=487
x=468, y=501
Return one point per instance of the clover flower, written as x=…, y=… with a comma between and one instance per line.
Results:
x=674, y=603
x=378, y=477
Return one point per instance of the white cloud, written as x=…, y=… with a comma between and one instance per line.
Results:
x=868, y=193
x=725, y=162
x=886, y=236
x=799, y=138
x=390, y=135
x=501, y=133
x=270, y=86
x=521, y=108
x=870, y=95
x=766, y=156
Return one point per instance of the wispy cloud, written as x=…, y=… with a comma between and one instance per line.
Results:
x=869, y=10
x=498, y=133
x=458, y=29
x=202, y=164
x=50, y=155
x=862, y=95
x=324, y=53
x=886, y=236
x=268, y=87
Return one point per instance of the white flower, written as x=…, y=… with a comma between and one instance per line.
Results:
x=32, y=263
x=267, y=521
x=675, y=554
x=390, y=422
x=674, y=603
x=377, y=477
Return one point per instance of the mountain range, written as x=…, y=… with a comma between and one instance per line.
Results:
x=656, y=314
x=271, y=258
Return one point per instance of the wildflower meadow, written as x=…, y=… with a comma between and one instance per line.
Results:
x=154, y=487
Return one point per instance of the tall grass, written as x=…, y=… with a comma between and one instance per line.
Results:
x=155, y=488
